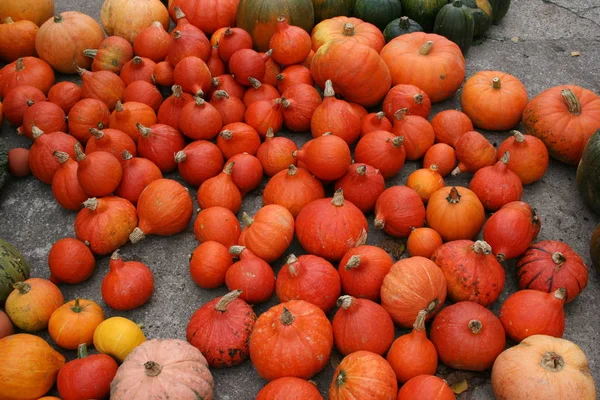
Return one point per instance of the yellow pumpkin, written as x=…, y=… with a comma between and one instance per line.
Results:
x=127, y=18
x=118, y=336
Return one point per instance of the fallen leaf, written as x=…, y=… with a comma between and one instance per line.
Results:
x=515, y=39
x=575, y=54
x=460, y=387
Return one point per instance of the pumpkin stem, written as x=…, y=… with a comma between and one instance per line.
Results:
x=352, y=263
x=228, y=168
x=505, y=157
x=475, y=326
x=500, y=257
x=82, y=351
x=180, y=156
x=270, y=133
x=560, y=293
x=328, y=92
x=137, y=235
x=338, y=198
x=482, y=247
x=178, y=13
x=9, y=20
x=559, y=259
x=58, y=18
x=496, y=84
x=152, y=368
x=292, y=170
x=380, y=115
x=419, y=324
x=285, y=102
x=281, y=18
x=222, y=304
x=90, y=53
x=341, y=378
x=404, y=22
x=22, y=287
x=327, y=134
x=228, y=31
x=198, y=98
x=97, y=133
x=30, y=102
x=349, y=29
x=248, y=220
x=418, y=98
x=115, y=255
x=279, y=77
x=77, y=307
x=255, y=83
x=79, y=154
x=398, y=141
x=433, y=167
x=426, y=48
x=236, y=250
x=457, y=3
x=361, y=170
x=291, y=261
x=177, y=90
x=91, y=203
x=572, y=101
x=345, y=301
x=268, y=54
x=127, y=155
x=552, y=361
x=454, y=196
x=286, y=317
x=36, y=132
x=61, y=156
x=144, y=131
x=432, y=306
x=399, y=114
x=79, y=70
x=457, y=170
x=226, y=134
x=20, y=65
x=378, y=223
x=519, y=137
x=137, y=60
x=119, y=106
x=221, y=94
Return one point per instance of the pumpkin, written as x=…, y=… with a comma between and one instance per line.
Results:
x=326, y=157
x=209, y=263
x=127, y=285
x=144, y=92
x=595, y=247
x=264, y=115
x=350, y=29
x=42, y=163
x=497, y=185
x=117, y=337
x=105, y=86
x=377, y=12
x=455, y=22
x=426, y=387
x=187, y=40
x=126, y=116
x=471, y=270
x=547, y=367
x=252, y=275
x=431, y=62
x=153, y=368
x=361, y=324
x=86, y=376
x=17, y=39
x=70, y=261
x=442, y=156
x=164, y=74
x=293, y=188
x=87, y=114
x=564, y=118
x=291, y=76
x=74, y=323
x=112, y=141
x=209, y=16
x=399, y=209
x=32, y=302
x=43, y=116
x=425, y=182
x=269, y=233
x=450, y=125
x=370, y=79
x=362, y=185
x=259, y=18
x=128, y=18
x=138, y=172
x=408, y=97
x=290, y=44
x=383, y=150
x=500, y=8
x=13, y=268
x=423, y=11
x=26, y=71
x=18, y=100
x=111, y=55
x=18, y=162
x=363, y=375
x=406, y=278
x=158, y=143
x=29, y=368
x=335, y=116
x=417, y=132
x=259, y=91
x=220, y=329
x=291, y=339
x=37, y=11
x=247, y=173
x=61, y=41
x=587, y=181
x=65, y=94
x=199, y=161
x=237, y=138
x=494, y=100
x=217, y=224
x=220, y=191
x=423, y=242
x=413, y=354
x=326, y=9
x=362, y=270
x=528, y=156
x=455, y=213
x=474, y=152
x=549, y=265
x=481, y=10
x=6, y=327
x=298, y=105
x=289, y=386
x=99, y=173
x=400, y=26
x=275, y=154
x=152, y=42
x=374, y=122
x=105, y=223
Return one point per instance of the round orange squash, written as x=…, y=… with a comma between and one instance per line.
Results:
x=36, y=11
x=127, y=18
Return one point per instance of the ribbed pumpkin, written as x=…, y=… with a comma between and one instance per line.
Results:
x=423, y=11
x=37, y=11
x=290, y=386
x=400, y=26
x=128, y=18
x=377, y=12
x=500, y=8
x=455, y=213
x=325, y=9
x=208, y=15
x=528, y=156
x=350, y=29
x=481, y=10
x=588, y=174
x=455, y=22
x=363, y=375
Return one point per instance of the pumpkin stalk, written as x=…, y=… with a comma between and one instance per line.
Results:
x=345, y=301
x=292, y=170
x=19, y=66
x=248, y=220
x=404, y=22
x=361, y=170
x=79, y=154
x=236, y=250
x=286, y=318
x=328, y=91
x=180, y=156
x=82, y=351
x=229, y=167
x=119, y=106
x=560, y=293
x=426, y=48
x=379, y=223
x=285, y=102
x=198, y=98
x=418, y=98
x=397, y=141
x=127, y=155
x=349, y=29
x=226, y=134
x=338, y=198
x=58, y=18
x=115, y=255
x=399, y=114
x=559, y=259
x=97, y=133
x=36, y=132
x=61, y=156
x=22, y=287
x=222, y=304
x=519, y=137
x=352, y=263
x=482, y=247
x=270, y=133
x=144, y=131
x=77, y=307
x=432, y=306
x=90, y=52
x=137, y=236
x=454, y=196
x=505, y=158
x=290, y=263
x=91, y=203
x=254, y=82
x=572, y=101
x=178, y=13
x=221, y=94
x=475, y=326
x=152, y=368
x=419, y=324
x=177, y=90
x=552, y=361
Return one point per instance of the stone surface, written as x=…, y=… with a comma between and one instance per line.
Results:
x=543, y=35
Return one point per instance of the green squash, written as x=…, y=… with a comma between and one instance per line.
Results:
x=423, y=11
x=455, y=22
x=13, y=268
x=325, y=9
x=3, y=163
x=378, y=12
x=499, y=9
x=482, y=16
x=259, y=18
x=595, y=247
x=400, y=26
x=588, y=173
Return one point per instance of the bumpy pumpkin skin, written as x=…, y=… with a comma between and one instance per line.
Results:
x=363, y=375
x=13, y=268
x=588, y=173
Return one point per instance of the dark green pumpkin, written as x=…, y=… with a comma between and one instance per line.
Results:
x=595, y=247
x=400, y=26
x=423, y=11
x=499, y=9
x=588, y=173
x=325, y=9
x=455, y=22
x=259, y=18
x=3, y=163
x=482, y=16
x=378, y=12
x=13, y=268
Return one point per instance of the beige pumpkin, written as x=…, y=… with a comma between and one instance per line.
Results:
x=163, y=369
x=543, y=367
x=127, y=18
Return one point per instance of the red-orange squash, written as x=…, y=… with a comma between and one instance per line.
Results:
x=455, y=213
x=269, y=233
x=127, y=18
x=289, y=386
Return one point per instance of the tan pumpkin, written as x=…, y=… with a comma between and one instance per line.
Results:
x=163, y=369
x=37, y=11
x=127, y=18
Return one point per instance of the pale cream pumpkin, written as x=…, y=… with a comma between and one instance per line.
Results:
x=127, y=18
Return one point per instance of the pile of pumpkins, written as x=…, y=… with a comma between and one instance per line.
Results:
x=231, y=94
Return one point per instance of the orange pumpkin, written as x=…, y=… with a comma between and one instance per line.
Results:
x=127, y=18
x=74, y=323
x=287, y=387
x=37, y=11
x=208, y=15
x=17, y=39
x=352, y=29
x=494, y=100
x=269, y=233
x=429, y=61
x=564, y=118
x=32, y=303
x=29, y=367
x=455, y=213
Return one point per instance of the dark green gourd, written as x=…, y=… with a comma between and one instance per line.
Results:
x=588, y=173
x=13, y=268
x=455, y=22
x=400, y=26
x=482, y=16
x=325, y=9
x=423, y=11
x=499, y=9
x=378, y=12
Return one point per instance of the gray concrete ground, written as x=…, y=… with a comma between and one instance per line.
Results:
x=533, y=42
